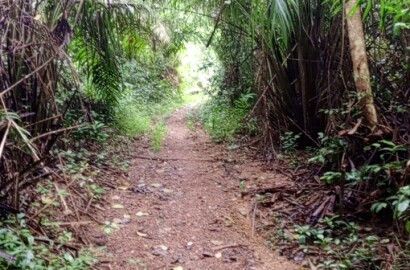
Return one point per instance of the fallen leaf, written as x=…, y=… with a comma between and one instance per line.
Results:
x=207, y=254
x=115, y=197
x=160, y=171
x=216, y=242
x=127, y=216
x=117, y=221
x=229, y=221
x=142, y=214
x=156, y=185
x=142, y=234
x=122, y=188
x=117, y=206
x=162, y=247
x=160, y=250
x=243, y=212
x=385, y=241
x=167, y=190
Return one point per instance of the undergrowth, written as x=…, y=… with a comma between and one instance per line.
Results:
x=88, y=165
x=224, y=120
x=31, y=252
x=364, y=227
x=337, y=243
x=132, y=121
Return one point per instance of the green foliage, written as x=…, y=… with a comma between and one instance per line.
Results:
x=96, y=131
x=149, y=81
x=342, y=244
x=102, y=36
x=132, y=121
x=289, y=141
x=394, y=14
x=17, y=240
x=384, y=167
x=330, y=149
x=223, y=120
x=401, y=204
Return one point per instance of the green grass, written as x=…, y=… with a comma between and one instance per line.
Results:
x=131, y=121
x=158, y=136
x=136, y=118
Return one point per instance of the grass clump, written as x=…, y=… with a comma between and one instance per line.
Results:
x=158, y=136
x=132, y=121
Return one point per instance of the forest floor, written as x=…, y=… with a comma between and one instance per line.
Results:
x=181, y=208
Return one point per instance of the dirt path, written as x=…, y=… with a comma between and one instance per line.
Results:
x=183, y=211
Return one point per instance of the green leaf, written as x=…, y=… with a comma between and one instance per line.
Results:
x=376, y=207
x=389, y=143
x=302, y=239
x=402, y=206
x=68, y=257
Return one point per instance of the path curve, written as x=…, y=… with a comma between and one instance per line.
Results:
x=181, y=211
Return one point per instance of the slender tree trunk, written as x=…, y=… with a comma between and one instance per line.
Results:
x=360, y=66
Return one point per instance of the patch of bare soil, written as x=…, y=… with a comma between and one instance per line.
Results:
x=182, y=208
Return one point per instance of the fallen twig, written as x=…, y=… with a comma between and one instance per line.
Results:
x=7, y=257
x=51, y=242
x=228, y=246
x=315, y=216
x=73, y=223
x=254, y=217
x=266, y=190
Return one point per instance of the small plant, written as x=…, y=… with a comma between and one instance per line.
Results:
x=158, y=136
x=289, y=141
x=305, y=233
x=401, y=204
x=96, y=131
x=96, y=190
x=17, y=240
x=331, y=177
x=330, y=150
x=262, y=198
x=110, y=227
x=242, y=186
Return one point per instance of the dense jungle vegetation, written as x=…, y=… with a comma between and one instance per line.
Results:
x=320, y=88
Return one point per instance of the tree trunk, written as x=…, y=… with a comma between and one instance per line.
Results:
x=360, y=66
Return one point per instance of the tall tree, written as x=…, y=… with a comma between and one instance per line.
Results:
x=360, y=65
